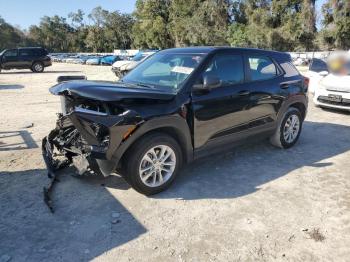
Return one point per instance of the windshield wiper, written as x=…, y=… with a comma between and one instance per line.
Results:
x=145, y=85
x=139, y=84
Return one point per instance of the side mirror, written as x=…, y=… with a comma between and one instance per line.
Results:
x=323, y=73
x=209, y=82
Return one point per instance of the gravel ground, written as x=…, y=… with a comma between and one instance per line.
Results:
x=255, y=203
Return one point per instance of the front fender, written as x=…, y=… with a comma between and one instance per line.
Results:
x=175, y=122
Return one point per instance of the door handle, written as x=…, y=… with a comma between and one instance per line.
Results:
x=243, y=93
x=284, y=85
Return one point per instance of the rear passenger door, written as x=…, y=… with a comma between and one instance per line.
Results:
x=263, y=84
x=26, y=57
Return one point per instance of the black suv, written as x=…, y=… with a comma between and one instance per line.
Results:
x=33, y=58
x=176, y=106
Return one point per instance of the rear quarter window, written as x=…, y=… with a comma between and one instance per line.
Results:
x=289, y=69
x=261, y=68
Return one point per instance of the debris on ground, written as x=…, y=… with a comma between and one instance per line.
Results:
x=115, y=215
x=29, y=125
x=316, y=235
x=116, y=221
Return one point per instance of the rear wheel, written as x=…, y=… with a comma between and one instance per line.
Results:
x=153, y=163
x=288, y=131
x=37, y=67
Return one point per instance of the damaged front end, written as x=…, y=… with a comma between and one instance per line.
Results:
x=87, y=135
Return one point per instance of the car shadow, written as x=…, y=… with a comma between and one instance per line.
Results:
x=9, y=87
x=243, y=170
x=45, y=72
x=16, y=140
x=82, y=227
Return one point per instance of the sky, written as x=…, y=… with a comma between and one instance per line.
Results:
x=28, y=12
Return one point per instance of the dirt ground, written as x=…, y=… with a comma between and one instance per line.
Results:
x=255, y=203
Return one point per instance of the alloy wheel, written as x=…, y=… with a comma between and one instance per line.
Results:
x=157, y=165
x=291, y=129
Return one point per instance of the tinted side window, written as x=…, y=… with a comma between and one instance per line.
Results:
x=228, y=68
x=261, y=68
x=11, y=53
x=25, y=52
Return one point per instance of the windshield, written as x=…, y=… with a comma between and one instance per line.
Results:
x=164, y=71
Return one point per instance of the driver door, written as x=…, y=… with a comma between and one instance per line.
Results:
x=221, y=113
x=10, y=59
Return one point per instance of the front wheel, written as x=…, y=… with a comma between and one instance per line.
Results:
x=153, y=163
x=288, y=131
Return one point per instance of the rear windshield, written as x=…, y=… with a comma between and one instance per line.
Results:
x=318, y=65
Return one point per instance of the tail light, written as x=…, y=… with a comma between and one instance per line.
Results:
x=306, y=83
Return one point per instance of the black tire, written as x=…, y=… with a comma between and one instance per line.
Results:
x=133, y=161
x=278, y=139
x=37, y=67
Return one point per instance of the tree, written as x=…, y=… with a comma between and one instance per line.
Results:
x=199, y=22
x=10, y=36
x=284, y=25
x=336, y=32
x=150, y=29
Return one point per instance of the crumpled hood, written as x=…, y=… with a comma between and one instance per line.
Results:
x=108, y=91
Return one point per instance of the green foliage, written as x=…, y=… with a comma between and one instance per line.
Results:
x=151, y=27
x=286, y=25
x=199, y=22
x=336, y=32
x=10, y=36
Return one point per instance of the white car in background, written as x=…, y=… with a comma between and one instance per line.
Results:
x=121, y=68
x=333, y=91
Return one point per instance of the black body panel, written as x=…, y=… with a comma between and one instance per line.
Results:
x=202, y=121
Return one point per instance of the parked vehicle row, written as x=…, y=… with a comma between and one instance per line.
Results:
x=85, y=59
x=122, y=67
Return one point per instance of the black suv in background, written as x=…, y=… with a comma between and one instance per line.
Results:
x=176, y=106
x=33, y=58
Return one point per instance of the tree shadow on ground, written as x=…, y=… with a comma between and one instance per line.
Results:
x=243, y=170
x=19, y=140
x=82, y=228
